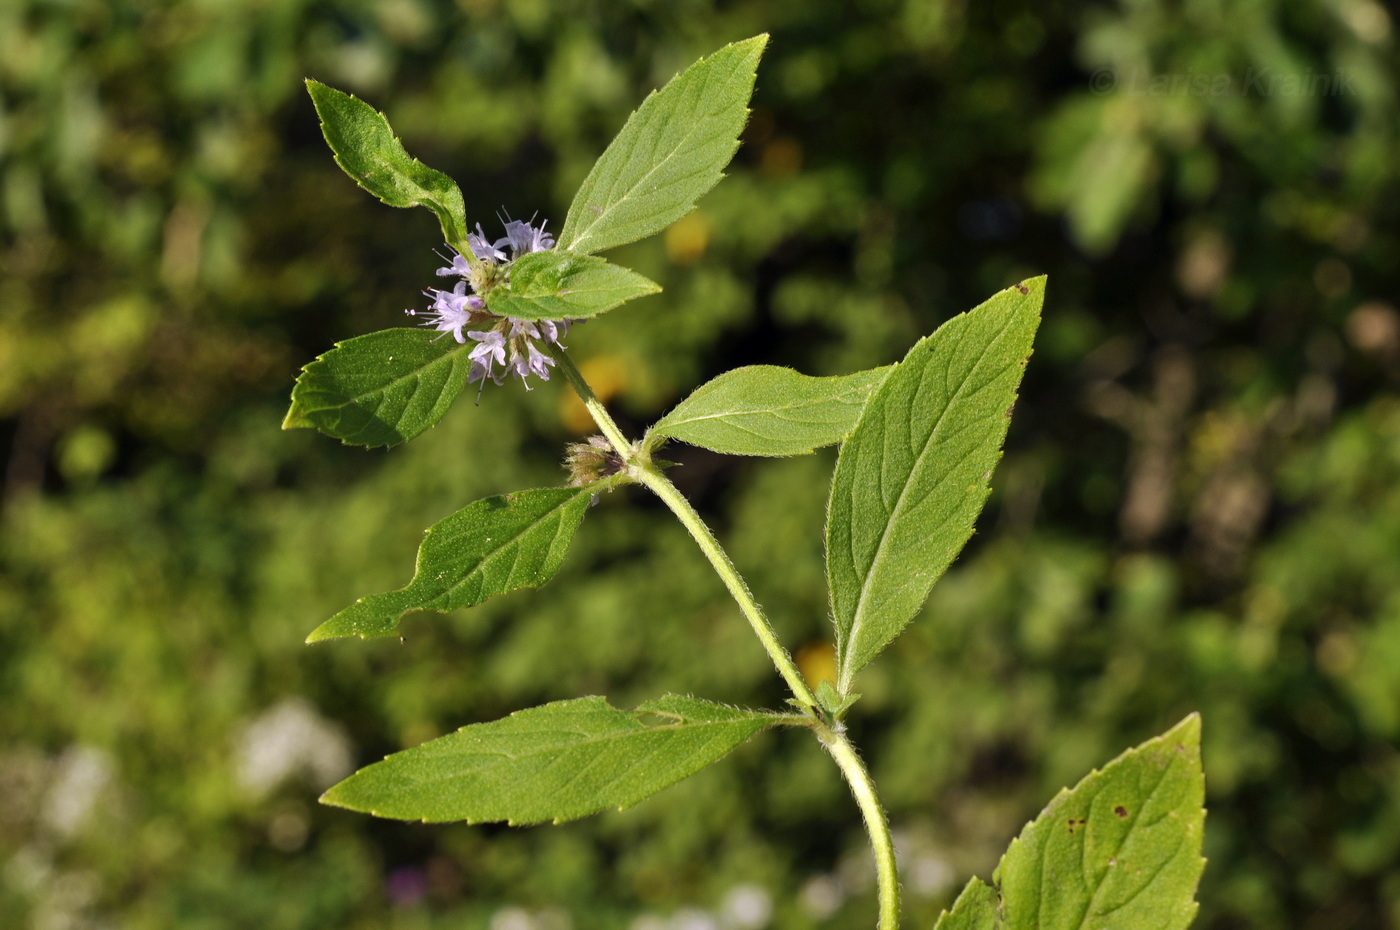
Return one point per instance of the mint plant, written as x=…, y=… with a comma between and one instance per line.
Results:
x=919, y=441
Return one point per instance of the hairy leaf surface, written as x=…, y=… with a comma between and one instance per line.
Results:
x=672, y=150
x=557, y=762
x=380, y=389
x=558, y=285
x=1120, y=851
x=915, y=472
x=767, y=410
x=489, y=547
x=975, y=909
x=367, y=149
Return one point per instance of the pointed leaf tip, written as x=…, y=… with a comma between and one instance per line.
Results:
x=491, y=546
x=367, y=150
x=671, y=151
x=915, y=472
x=1122, y=849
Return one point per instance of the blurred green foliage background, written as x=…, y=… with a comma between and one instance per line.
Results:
x=1199, y=508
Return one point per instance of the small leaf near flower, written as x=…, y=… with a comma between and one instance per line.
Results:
x=560, y=285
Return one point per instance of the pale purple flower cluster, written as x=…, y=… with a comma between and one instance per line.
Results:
x=507, y=345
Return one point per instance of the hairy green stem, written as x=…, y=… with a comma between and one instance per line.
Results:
x=876, y=825
x=649, y=475
x=640, y=467
x=596, y=410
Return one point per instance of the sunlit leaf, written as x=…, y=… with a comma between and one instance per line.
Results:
x=558, y=285
x=915, y=472
x=671, y=151
x=381, y=389
x=975, y=909
x=1119, y=851
x=367, y=149
x=767, y=410
x=488, y=547
x=557, y=762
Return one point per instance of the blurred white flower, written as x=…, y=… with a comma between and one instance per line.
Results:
x=512, y=918
x=79, y=775
x=747, y=907
x=291, y=739
x=822, y=896
x=929, y=874
x=690, y=918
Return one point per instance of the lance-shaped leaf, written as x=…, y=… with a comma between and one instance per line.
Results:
x=1121, y=851
x=914, y=473
x=381, y=389
x=767, y=410
x=672, y=150
x=559, y=285
x=557, y=762
x=975, y=909
x=488, y=547
x=367, y=149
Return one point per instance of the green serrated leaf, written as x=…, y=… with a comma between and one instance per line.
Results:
x=557, y=762
x=975, y=909
x=767, y=410
x=914, y=473
x=1119, y=851
x=558, y=285
x=381, y=389
x=487, y=548
x=672, y=150
x=367, y=149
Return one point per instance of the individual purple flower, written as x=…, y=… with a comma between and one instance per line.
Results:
x=451, y=310
x=553, y=330
x=524, y=238
x=532, y=361
x=406, y=886
x=460, y=266
x=490, y=351
x=483, y=248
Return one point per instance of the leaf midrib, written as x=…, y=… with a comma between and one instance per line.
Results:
x=695, y=128
x=776, y=411
x=1137, y=815
x=500, y=758
x=553, y=512
x=407, y=376
x=857, y=618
